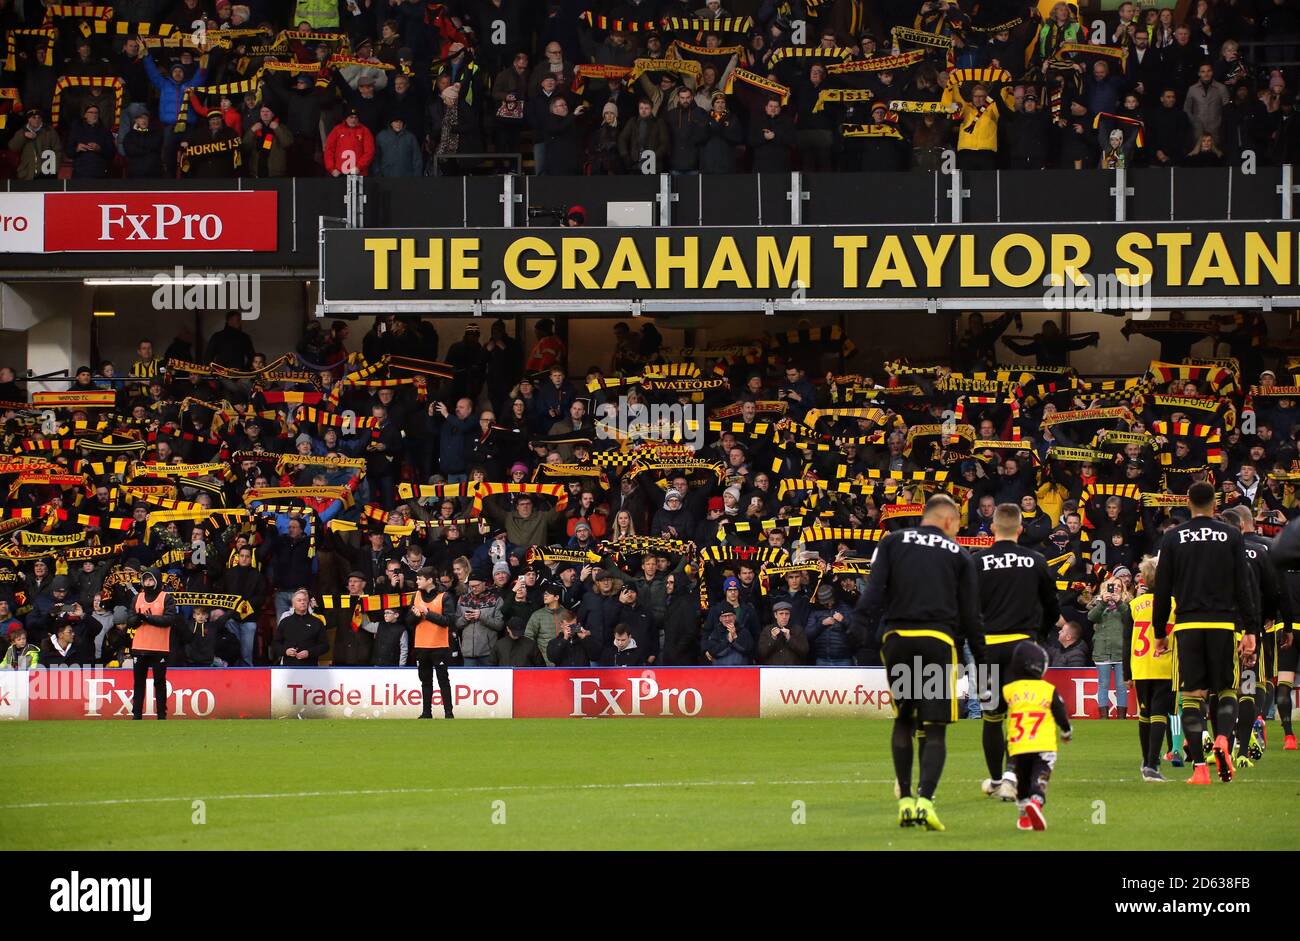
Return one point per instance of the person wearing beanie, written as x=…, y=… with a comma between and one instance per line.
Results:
x=153, y=617
x=1035, y=714
x=604, y=155
x=431, y=620
x=515, y=648
x=478, y=619
x=20, y=655
x=544, y=624
x=729, y=644
x=827, y=628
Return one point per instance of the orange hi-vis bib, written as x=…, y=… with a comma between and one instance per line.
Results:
x=150, y=638
x=428, y=635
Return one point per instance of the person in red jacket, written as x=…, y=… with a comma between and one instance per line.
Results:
x=350, y=147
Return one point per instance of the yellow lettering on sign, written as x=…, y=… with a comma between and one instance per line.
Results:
x=626, y=267
x=1173, y=243
x=1213, y=262
x=933, y=255
x=430, y=264
x=1037, y=260
x=463, y=262
x=578, y=256
x=727, y=265
x=1277, y=261
x=850, y=245
x=795, y=266
x=379, y=248
x=1070, y=254
x=891, y=265
x=540, y=270
x=1127, y=248
x=970, y=278
x=688, y=263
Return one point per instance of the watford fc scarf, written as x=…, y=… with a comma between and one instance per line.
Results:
x=74, y=399
x=919, y=37
x=841, y=96
x=212, y=600
x=809, y=52
x=1088, y=49
x=48, y=33
x=552, y=555
x=583, y=72
x=756, y=81
x=76, y=10
x=611, y=25
x=156, y=469
x=923, y=107
x=726, y=24
x=86, y=81
x=639, y=545
x=216, y=150
x=878, y=64
x=132, y=28
x=223, y=517
x=47, y=540
x=676, y=66
x=256, y=494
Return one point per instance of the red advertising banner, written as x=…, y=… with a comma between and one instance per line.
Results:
x=1078, y=687
x=227, y=220
x=94, y=693
x=633, y=693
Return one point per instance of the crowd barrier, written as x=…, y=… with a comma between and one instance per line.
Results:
x=483, y=693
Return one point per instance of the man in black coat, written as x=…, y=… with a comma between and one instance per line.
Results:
x=143, y=148
x=230, y=346
x=687, y=131
x=624, y=651
x=1168, y=131
x=638, y=620
x=770, y=139
x=300, y=637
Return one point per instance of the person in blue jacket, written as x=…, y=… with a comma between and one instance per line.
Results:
x=173, y=89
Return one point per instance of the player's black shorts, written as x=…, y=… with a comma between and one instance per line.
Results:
x=921, y=672
x=1266, y=655
x=1206, y=658
x=997, y=661
x=1155, y=697
x=1288, y=658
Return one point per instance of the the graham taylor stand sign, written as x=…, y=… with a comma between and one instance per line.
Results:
x=938, y=266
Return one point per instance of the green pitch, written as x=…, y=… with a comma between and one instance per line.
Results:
x=566, y=784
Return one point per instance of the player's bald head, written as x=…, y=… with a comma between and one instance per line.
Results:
x=1240, y=517
x=941, y=511
x=1006, y=521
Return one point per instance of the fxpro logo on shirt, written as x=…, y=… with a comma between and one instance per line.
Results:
x=89, y=894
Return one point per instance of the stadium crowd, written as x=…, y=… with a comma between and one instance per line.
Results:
x=292, y=507
x=149, y=89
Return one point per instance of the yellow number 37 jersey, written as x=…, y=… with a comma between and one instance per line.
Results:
x=1143, y=662
x=1030, y=725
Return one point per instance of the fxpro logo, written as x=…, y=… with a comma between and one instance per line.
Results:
x=105, y=695
x=162, y=223
x=641, y=696
x=75, y=894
